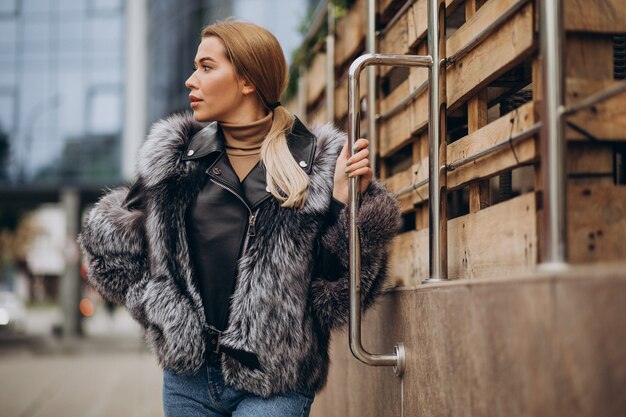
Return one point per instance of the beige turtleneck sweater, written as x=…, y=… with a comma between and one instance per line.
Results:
x=243, y=143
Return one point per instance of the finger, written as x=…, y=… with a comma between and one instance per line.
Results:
x=344, y=150
x=360, y=144
x=360, y=171
x=359, y=164
x=362, y=154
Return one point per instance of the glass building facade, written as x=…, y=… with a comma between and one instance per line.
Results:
x=173, y=36
x=61, y=91
x=63, y=77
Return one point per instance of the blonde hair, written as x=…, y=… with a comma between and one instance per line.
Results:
x=258, y=58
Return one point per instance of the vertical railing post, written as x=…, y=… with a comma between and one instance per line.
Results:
x=437, y=191
x=330, y=63
x=371, y=82
x=554, y=221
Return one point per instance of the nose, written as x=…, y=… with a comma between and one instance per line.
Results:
x=190, y=83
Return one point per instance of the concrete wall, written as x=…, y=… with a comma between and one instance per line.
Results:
x=537, y=346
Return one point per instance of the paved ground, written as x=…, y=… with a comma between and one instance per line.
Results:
x=107, y=373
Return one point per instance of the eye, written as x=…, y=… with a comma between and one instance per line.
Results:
x=206, y=67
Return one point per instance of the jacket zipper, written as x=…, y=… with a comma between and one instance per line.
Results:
x=251, y=229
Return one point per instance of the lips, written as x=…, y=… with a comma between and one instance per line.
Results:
x=195, y=101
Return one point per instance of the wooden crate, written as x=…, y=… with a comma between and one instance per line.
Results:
x=493, y=94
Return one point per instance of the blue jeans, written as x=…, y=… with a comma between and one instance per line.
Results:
x=204, y=394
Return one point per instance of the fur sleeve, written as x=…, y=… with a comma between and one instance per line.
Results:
x=378, y=221
x=113, y=243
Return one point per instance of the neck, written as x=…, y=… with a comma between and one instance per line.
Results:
x=246, y=136
x=249, y=110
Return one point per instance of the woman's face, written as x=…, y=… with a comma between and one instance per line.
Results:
x=216, y=91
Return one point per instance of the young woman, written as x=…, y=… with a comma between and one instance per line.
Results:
x=231, y=247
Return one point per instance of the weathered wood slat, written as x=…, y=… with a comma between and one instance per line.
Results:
x=477, y=117
x=396, y=128
x=316, y=78
x=318, y=114
x=504, y=48
x=605, y=120
x=599, y=16
x=418, y=172
x=526, y=151
x=497, y=131
x=588, y=158
x=588, y=57
x=596, y=223
x=408, y=261
x=350, y=33
x=497, y=241
x=411, y=27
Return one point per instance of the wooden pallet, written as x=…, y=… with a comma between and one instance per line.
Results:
x=493, y=94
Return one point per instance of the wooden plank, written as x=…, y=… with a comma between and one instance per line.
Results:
x=408, y=260
x=401, y=180
x=417, y=22
x=350, y=33
x=477, y=22
x=599, y=16
x=586, y=158
x=510, y=124
x=589, y=57
x=318, y=114
x=479, y=192
x=596, y=223
x=413, y=23
x=605, y=120
x=292, y=105
x=341, y=98
x=395, y=132
x=502, y=50
x=400, y=92
x=477, y=117
x=495, y=242
x=316, y=78
x=383, y=5
x=499, y=130
x=396, y=39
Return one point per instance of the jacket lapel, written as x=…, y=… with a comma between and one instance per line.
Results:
x=210, y=139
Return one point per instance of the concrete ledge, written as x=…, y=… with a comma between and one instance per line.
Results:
x=552, y=344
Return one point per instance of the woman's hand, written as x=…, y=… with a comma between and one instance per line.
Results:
x=357, y=165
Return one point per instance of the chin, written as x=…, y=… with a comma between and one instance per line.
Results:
x=199, y=117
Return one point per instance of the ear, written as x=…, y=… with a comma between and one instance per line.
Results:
x=247, y=87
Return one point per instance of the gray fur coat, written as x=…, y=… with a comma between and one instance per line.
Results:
x=280, y=309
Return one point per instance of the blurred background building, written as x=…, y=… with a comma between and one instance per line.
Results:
x=81, y=81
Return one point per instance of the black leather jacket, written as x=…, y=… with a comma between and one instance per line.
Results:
x=220, y=223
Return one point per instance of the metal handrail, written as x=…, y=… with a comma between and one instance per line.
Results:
x=397, y=359
x=531, y=131
x=371, y=83
x=554, y=233
x=595, y=99
x=330, y=64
